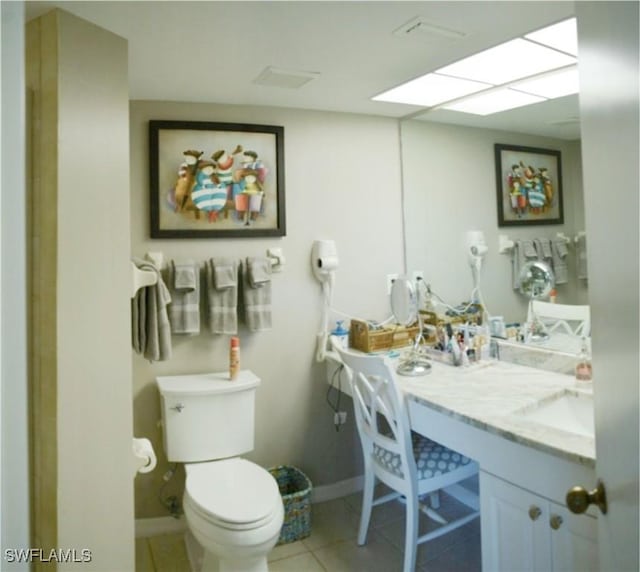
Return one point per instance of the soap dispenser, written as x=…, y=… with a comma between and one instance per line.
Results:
x=341, y=335
x=583, y=365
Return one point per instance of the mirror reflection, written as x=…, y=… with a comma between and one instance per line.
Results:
x=449, y=189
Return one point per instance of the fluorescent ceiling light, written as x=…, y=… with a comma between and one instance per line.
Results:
x=561, y=36
x=493, y=102
x=507, y=62
x=431, y=89
x=552, y=85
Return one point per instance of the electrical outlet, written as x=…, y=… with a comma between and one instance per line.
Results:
x=339, y=417
x=390, y=280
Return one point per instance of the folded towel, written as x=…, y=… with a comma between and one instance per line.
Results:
x=581, y=256
x=559, y=251
x=543, y=249
x=259, y=271
x=256, y=294
x=222, y=295
x=184, y=311
x=151, y=333
x=523, y=252
x=184, y=277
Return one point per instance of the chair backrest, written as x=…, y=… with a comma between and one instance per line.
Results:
x=559, y=316
x=376, y=398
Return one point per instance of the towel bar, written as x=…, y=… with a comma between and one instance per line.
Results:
x=141, y=278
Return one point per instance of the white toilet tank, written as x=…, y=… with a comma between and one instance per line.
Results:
x=207, y=416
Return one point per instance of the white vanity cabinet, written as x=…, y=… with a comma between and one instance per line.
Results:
x=525, y=531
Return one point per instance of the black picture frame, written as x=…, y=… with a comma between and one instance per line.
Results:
x=529, y=185
x=248, y=162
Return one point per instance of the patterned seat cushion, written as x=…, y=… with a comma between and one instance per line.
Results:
x=432, y=459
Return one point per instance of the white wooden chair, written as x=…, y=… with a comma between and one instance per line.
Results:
x=408, y=463
x=574, y=319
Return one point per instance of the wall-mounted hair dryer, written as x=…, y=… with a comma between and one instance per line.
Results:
x=324, y=260
x=476, y=248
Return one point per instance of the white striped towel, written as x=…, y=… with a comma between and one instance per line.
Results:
x=256, y=293
x=222, y=295
x=183, y=280
x=560, y=252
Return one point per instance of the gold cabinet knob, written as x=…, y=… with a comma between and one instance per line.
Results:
x=555, y=521
x=534, y=512
x=579, y=499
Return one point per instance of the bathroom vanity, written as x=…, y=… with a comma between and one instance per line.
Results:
x=531, y=432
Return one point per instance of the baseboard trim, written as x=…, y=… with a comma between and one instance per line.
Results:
x=337, y=490
x=146, y=527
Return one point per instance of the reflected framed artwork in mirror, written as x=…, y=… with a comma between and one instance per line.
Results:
x=216, y=180
x=529, y=185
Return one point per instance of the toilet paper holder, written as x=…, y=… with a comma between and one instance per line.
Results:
x=145, y=456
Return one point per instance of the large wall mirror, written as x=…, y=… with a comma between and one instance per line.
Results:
x=449, y=188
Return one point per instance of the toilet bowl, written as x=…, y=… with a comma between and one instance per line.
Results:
x=235, y=511
x=233, y=507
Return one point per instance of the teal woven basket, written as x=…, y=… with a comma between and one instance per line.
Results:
x=295, y=489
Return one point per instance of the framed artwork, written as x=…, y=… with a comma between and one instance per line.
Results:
x=529, y=186
x=216, y=180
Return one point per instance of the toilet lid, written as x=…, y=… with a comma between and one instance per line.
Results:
x=233, y=491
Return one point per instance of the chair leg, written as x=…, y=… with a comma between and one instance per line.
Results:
x=411, y=536
x=367, y=504
x=434, y=499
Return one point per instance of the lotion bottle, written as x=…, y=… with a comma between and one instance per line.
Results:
x=583, y=366
x=234, y=358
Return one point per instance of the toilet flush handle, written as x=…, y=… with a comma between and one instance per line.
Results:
x=178, y=407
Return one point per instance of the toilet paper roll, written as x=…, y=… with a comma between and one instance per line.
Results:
x=145, y=455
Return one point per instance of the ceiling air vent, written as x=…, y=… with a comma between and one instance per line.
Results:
x=418, y=27
x=290, y=79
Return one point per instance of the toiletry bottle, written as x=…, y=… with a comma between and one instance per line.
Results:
x=583, y=367
x=234, y=358
x=341, y=335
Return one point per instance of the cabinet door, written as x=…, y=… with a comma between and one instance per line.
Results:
x=515, y=527
x=574, y=543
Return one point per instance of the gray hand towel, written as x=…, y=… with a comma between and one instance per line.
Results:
x=560, y=252
x=183, y=278
x=256, y=293
x=222, y=295
x=523, y=252
x=259, y=270
x=581, y=256
x=151, y=333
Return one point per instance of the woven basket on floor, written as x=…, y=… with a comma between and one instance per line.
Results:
x=295, y=489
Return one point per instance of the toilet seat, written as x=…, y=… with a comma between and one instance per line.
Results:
x=234, y=494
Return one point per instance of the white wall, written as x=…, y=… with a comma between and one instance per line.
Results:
x=342, y=177
x=81, y=164
x=450, y=188
x=14, y=480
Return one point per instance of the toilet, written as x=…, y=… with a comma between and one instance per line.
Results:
x=232, y=506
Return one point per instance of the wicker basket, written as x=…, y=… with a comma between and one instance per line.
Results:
x=366, y=340
x=295, y=488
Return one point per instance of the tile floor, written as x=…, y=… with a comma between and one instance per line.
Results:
x=332, y=545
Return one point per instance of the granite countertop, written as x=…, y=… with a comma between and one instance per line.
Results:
x=490, y=394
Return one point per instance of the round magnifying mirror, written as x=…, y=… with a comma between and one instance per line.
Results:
x=404, y=302
x=404, y=305
x=536, y=281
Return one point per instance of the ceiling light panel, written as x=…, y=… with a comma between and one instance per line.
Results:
x=431, y=89
x=561, y=36
x=493, y=102
x=552, y=85
x=507, y=62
